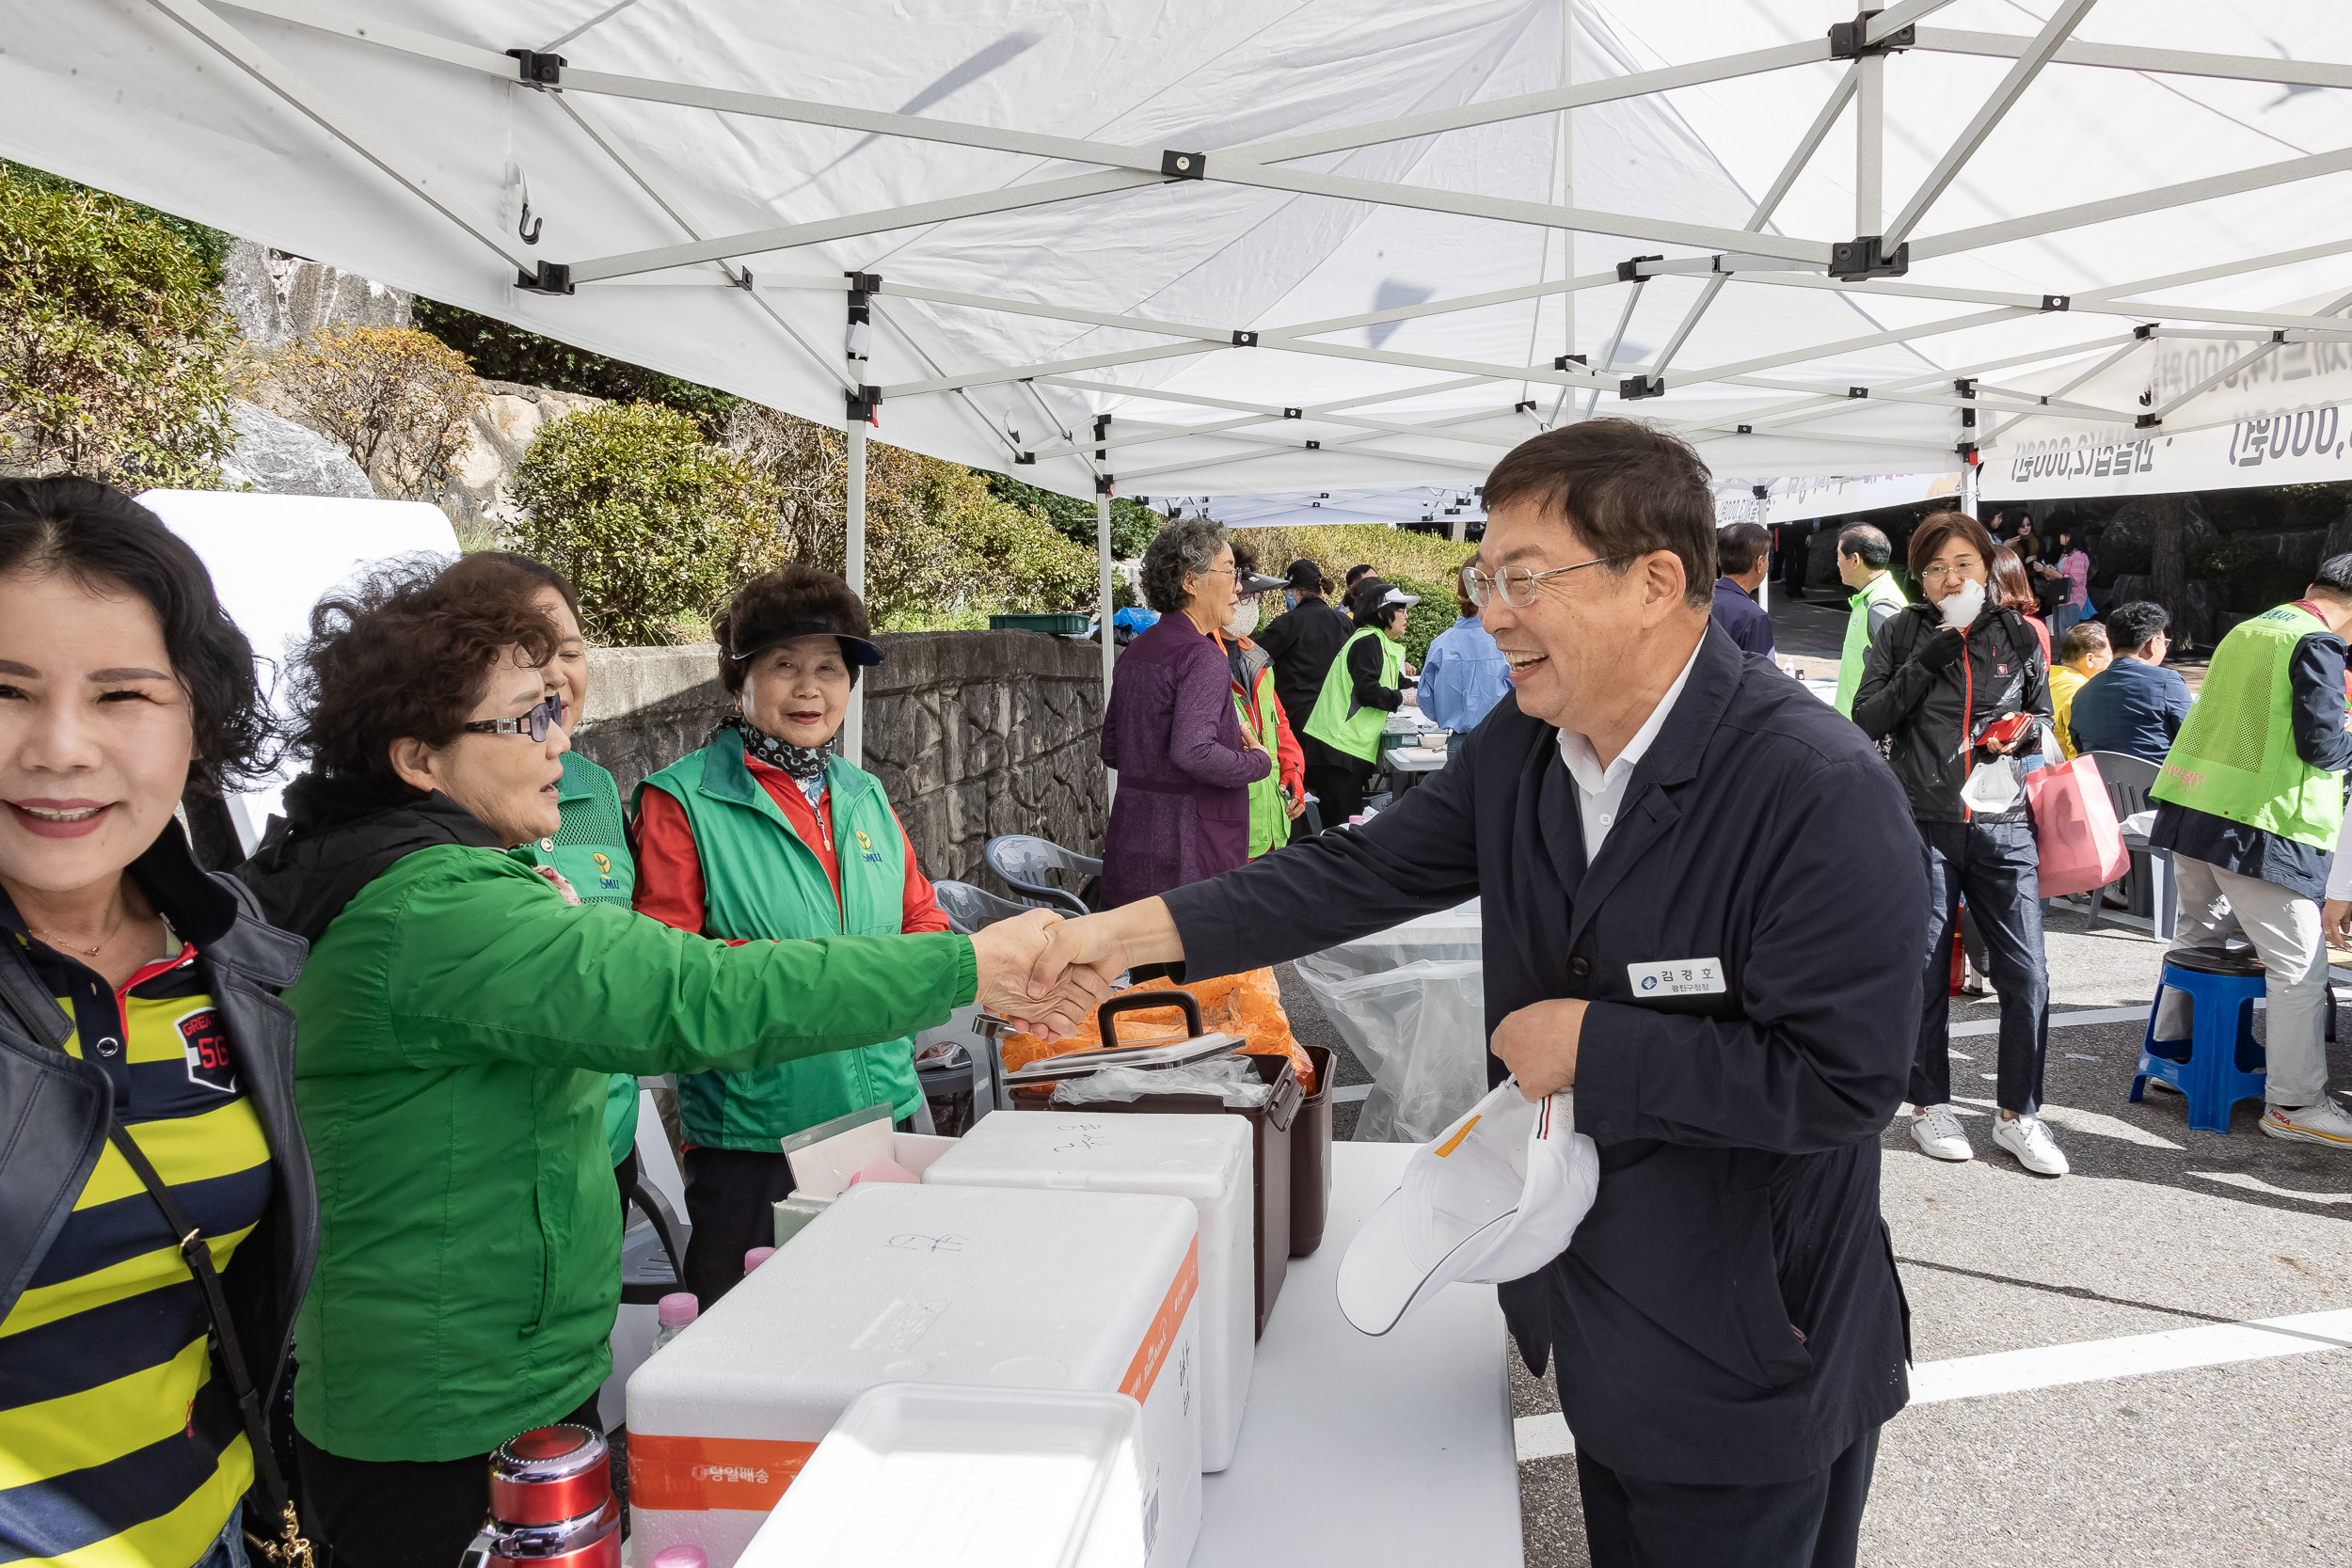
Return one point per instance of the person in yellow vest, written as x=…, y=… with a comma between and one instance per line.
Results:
x=1280, y=799
x=1863, y=555
x=2250, y=801
x=1367, y=683
x=2083, y=653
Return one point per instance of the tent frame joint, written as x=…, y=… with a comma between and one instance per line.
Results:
x=860, y=406
x=1630, y=270
x=1102, y=484
x=2057, y=302
x=1851, y=41
x=534, y=69
x=554, y=278
x=1865, y=256
x=1634, y=387
x=2147, y=422
x=1184, y=165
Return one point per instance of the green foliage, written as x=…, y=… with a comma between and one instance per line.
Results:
x=654, y=524
x=1133, y=524
x=1393, y=552
x=2254, y=579
x=210, y=246
x=1425, y=620
x=502, y=352
x=117, y=359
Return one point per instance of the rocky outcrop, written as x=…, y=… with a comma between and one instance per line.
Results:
x=280, y=457
x=509, y=418
x=277, y=297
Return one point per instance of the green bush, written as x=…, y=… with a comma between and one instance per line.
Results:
x=1425, y=620
x=117, y=359
x=654, y=524
x=502, y=351
x=2253, y=578
x=1134, y=525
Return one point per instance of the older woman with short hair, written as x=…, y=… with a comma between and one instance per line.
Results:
x=1184, y=763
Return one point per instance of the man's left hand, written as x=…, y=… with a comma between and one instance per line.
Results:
x=1539, y=1043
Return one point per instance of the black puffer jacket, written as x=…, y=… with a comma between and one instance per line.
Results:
x=1929, y=717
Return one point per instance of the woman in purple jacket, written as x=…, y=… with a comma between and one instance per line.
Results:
x=1184, y=763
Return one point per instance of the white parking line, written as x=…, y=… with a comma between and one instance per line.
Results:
x=1347, y=1092
x=2060, y=1020
x=2015, y=1371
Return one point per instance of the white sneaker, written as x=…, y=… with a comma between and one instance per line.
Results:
x=2321, y=1122
x=2029, y=1138
x=1937, y=1131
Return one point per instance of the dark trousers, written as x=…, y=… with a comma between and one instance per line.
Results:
x=1340, y=788
x=401, y=1514
x=1812, y=1523
x=731, y=1196
x=625, y=1177
x=1994, y=865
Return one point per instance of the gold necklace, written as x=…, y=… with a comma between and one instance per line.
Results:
x=112, y=932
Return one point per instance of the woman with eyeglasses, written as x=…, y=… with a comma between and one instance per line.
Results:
x=1185, y=761
x=460, y=1018
x=1939, y=678
x=1368, y=681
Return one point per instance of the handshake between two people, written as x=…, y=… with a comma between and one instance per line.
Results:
x=1047, y=973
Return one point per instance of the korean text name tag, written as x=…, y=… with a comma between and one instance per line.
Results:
x=1677, y=977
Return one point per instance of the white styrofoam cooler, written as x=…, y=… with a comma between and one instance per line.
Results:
x=927, y=1476
x=1203, y=1160
x=977, y=1286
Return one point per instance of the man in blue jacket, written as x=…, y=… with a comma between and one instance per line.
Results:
x=1744, y=551
x=1727, y=1321
x=1465, y=674
x=2135, y=706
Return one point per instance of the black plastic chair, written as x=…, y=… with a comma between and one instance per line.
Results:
x=2128, y=780
x=653, y=1256
x=1027, y=865
x=968, y=908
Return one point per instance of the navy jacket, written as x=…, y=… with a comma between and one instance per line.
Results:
x=2132, y=707
x=1728, y=1312
x=1746, y=623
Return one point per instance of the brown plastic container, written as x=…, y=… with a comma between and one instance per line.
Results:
x=1311, y=1159
x=1270, y=1128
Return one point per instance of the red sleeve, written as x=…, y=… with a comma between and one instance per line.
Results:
x=1292, y=761
x=922, y=911
x=669, y=873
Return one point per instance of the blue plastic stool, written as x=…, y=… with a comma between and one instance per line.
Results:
x=2212, y=1066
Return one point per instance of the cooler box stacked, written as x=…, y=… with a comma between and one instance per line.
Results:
x=981, y=1287
x=1203, y=1160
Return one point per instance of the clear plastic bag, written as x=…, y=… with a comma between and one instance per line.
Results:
x=1229, y=1077
x=1411, y=1004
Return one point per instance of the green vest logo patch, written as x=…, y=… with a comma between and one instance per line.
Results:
x=605, y=878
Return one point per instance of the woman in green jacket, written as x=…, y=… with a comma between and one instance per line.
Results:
x=459, y=1019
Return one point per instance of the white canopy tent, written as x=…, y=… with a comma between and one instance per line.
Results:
x=1453, y=508
x=1223, y=250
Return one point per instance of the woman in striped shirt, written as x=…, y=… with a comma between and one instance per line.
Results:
x=138, y=1029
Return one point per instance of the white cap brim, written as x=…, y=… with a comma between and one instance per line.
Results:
x=1379, y=1282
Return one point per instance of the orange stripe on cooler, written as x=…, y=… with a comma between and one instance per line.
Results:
x=1160, y=1337
x=711, y=1472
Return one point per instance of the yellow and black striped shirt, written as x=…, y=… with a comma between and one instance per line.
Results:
x=117, y=1444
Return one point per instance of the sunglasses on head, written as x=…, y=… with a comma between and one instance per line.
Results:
x=547, y=716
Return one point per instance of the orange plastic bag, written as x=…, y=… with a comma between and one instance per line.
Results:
x=1248, y=1006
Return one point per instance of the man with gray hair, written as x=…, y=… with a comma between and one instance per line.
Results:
x=1863, y=555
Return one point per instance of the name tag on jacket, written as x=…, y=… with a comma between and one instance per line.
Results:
x=1677, y=977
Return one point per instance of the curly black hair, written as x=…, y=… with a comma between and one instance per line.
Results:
x=406, y=654
x=788, y=595
x=1177, y=551
x=102, y=537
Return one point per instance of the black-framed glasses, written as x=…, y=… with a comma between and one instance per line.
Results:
x=547, y=716
x=1517, y=584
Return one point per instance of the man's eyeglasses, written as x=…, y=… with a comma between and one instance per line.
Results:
x=547, y=716
x=1517, y=583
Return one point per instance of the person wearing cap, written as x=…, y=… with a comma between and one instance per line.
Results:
x=1280, y=799
x=1302, y=642
x=1184, y=760
x=1465, y=674
x=1366, y=684
x=1670, y=936
x=767, y=832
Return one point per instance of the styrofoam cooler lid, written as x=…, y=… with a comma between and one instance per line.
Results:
x=966, y=1478
x=1202, y=1158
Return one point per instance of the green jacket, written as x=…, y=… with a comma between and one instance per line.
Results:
x=760, y=881
x=1339, y=722
x=458, y=1022
x=1881, y=592
x=591, y=849
x=2235, y=755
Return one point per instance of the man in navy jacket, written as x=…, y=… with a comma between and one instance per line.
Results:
x=1728, y=1322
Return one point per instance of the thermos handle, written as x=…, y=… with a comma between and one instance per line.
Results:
x=1143, y=1001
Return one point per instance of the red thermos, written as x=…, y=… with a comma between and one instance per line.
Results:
x=552, y=1503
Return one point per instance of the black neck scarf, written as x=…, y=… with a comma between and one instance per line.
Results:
x=802, y=762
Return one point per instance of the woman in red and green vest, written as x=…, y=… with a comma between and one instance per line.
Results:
x=1281, y=798
x=765, y=834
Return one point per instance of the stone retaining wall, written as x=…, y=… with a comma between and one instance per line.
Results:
x=974, y=734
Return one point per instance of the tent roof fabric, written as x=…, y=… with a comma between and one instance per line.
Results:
x=1230, y=249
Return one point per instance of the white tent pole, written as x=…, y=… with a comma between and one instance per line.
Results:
x=1104, y=608
x=1616, y=340
x=2129, y=56
x=853, y=725
x=1969, y=485
x=1568, y=189
x=1869, y=170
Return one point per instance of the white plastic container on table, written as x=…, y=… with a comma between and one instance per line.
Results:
x=984, y=1287
x=967, y=1478
x=1203, y=1160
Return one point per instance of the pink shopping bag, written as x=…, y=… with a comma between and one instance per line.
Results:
x=2074, y=828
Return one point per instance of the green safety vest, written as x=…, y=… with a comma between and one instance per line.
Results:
x=2236, y=756
x=1269, y=824
x=1336, y=720
x=759, y=880
x=1883, y=589
x=591, y=849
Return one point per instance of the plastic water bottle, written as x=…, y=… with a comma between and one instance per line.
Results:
x=757, y=1256
x=672, y=1314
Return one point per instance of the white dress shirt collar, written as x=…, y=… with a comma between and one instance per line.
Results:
x=1601, y=790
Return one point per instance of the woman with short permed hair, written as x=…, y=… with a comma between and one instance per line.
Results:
x=769, y=833
x=1184, y=763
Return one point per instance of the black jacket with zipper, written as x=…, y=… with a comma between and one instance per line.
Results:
x=57, y=1107
x=1929, y=719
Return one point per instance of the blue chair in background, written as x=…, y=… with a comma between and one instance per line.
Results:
x=2219, y=1062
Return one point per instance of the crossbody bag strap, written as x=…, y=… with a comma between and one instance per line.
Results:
x=290, y=1549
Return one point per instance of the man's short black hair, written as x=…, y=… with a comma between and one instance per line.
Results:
x=1356, y=574
x=2131, y=625
x=1740, y=545
x=1628, y=489
x=1861, y=539
x=2334, y=576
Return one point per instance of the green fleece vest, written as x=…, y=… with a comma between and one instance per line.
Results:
x=1883, y=589
x=760, y=881
x=1336, y=720
x=2236, y=756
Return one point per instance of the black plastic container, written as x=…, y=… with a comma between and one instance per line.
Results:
x=1311, y=1158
